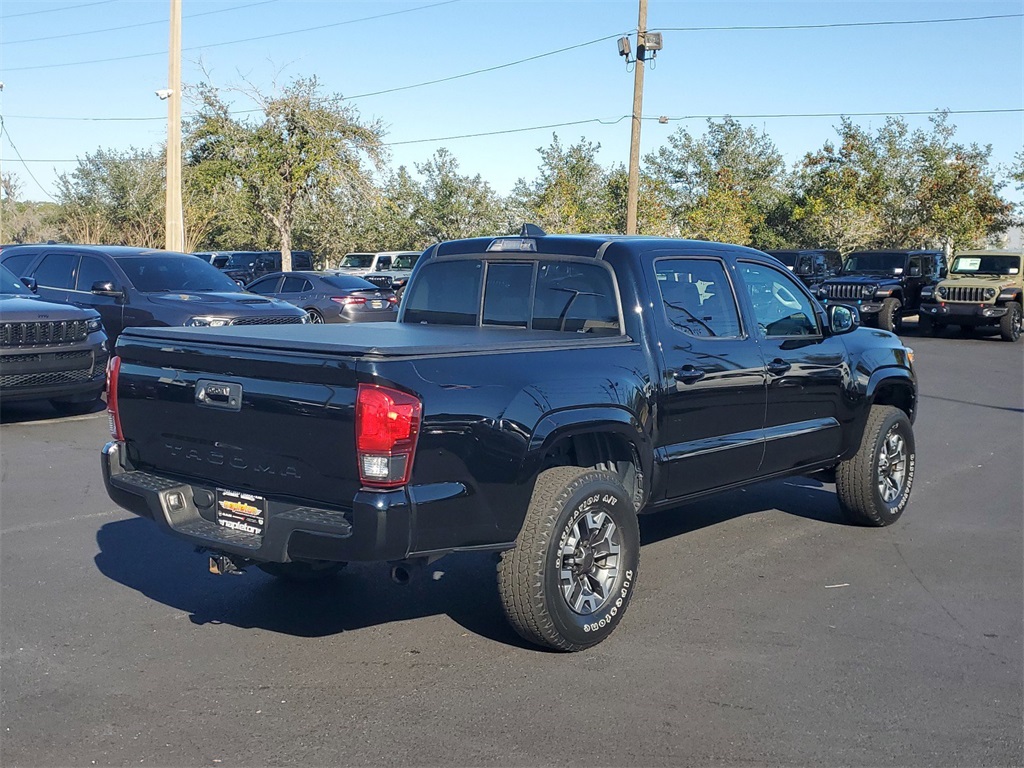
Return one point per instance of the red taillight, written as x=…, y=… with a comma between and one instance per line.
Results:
x=387, y=425
x=392, y=299
x=347, y=301
x=113, y=417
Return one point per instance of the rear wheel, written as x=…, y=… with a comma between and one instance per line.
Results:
x=301, y=571
x=569, y=579
x=889, y=317
x=874, y=486
x=1009, y=324
x=314, y=316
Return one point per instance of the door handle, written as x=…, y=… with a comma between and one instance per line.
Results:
x=689, y=374
x=778, y=367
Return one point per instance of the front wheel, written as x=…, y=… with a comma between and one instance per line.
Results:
x=889, y=317
x=314, y=316
x=1009, y=324
x=874, y=486
x=569, y=579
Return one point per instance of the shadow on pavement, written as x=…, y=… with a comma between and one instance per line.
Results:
x=137, y=554
x=40, y=410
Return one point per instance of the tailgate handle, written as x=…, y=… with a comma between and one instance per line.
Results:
x=219, y=394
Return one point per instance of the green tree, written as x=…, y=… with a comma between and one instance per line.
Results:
x=900, y=188
x=570, y=193
x=722, y=185
x=23, y=221
x=452, y=205
x=114, y=197
x=303, y=147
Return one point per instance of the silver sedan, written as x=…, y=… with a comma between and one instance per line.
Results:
x=329, y=297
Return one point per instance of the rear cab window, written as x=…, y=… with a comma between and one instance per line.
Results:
x=575, y=295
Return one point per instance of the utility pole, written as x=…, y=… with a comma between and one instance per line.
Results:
x=647, y=44
x=174, y=229
x=633, y=189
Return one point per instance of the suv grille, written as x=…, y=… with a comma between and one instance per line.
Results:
x=845, y=291
x=268, y=320
x=959, y=293
x=55, y=332
x=381, y=281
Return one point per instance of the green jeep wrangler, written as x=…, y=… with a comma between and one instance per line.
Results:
x=984, y=288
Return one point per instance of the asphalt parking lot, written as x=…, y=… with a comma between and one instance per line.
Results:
x=764, y=630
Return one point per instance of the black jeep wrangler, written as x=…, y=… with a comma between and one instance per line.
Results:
x=884, y=285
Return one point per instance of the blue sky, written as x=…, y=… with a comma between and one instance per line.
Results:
x=969, y=65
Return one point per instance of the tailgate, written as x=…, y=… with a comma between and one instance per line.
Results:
x=276, y=423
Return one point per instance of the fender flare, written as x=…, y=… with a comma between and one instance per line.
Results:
x=893, y=375
x=558, y=425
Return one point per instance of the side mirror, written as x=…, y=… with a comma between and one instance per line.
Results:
x=842, y=319
x=943, y=273
x=915, y=272
x=31, y=284
x=106, y=288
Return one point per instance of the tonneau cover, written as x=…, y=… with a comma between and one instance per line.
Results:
x=374, y=339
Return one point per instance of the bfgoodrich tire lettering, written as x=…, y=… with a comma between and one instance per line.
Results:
x=874, y=486
x=570, y=577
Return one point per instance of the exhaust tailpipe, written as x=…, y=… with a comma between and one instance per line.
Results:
x=400, y=574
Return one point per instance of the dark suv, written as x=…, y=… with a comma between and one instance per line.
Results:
x=245, y=266
x=137, y=286
x=49, y=351
x=884, y=285
x=811, y=265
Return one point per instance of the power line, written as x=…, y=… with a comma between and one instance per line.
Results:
x=614, y=121
x=24, y=163
x=340, y=98
x=841, y=24
x=56, y=10
x=235, y=42
x=135, y=26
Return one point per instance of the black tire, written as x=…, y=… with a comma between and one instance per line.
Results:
x=300, y=571
x=861, y=479
x=67, y=408
x=537, y=579
x=1009, y=324
x=314, y=316
x=889, y=317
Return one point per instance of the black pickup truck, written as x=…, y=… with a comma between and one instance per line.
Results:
x=537, y=393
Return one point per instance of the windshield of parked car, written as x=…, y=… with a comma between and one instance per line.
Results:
x=240, y=261
x=356, y=260
x=988, y=265
x=173, y=272
x=875, y=263
x=9, y=283
x=404, y=261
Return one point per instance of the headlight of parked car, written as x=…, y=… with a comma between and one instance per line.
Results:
x=990, y=293
x=821, y=291
x=940, y=292
x=868, y=290
x=205, y=321
x=93, y=324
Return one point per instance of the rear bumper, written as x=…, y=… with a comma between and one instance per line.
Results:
x=377, y=527
x=964, y=314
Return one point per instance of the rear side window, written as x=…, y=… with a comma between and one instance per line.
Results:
x=294, y=284
x=265, y=286
x=301, y=261
x=446, y=292
x=698, y=297
x=56, y=270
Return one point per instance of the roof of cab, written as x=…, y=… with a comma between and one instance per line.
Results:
x=581, y=245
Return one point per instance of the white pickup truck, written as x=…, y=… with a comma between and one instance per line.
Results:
x=386, y=269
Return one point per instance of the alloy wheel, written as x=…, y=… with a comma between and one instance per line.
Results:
x=589, y=562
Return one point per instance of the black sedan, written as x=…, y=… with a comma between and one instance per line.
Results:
x=329, y=297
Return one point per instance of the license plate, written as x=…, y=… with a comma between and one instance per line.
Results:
x=243, y=512
x=377, y=304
